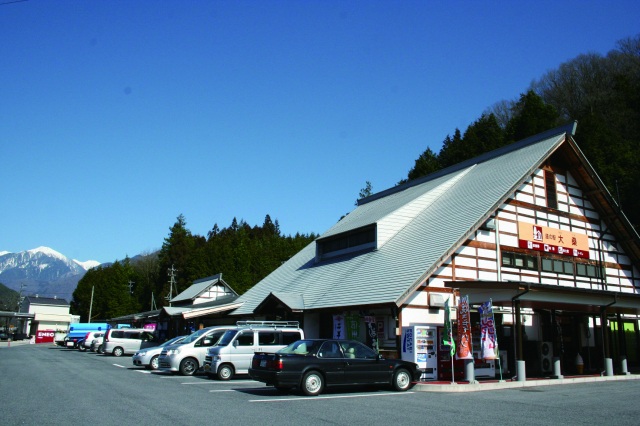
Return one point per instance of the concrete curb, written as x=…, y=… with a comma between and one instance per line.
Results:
x=483, y=386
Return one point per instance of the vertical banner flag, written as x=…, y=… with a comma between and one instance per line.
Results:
x=447, y=336
x=464, y=330
x=338, y=327
x=353, y=327
x=488, y=340
x=372, y=332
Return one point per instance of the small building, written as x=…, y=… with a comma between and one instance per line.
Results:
x=206, y=302
x=529, y=227
x=49, y=313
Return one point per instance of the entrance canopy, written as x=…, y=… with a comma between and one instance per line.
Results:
x=541, y=296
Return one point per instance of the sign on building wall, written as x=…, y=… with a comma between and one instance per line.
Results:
x=551, y=240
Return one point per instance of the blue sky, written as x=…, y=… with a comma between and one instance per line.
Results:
x=118, y=116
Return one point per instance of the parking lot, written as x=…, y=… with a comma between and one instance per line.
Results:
x=51, y=385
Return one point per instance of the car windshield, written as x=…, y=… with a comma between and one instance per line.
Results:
x=174, y=340
x=301, y=347
x=227, y=337
x=194, y=336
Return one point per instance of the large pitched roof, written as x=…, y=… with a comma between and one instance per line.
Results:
x=419, y=225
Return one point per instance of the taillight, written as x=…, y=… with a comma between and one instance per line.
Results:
x=278, y=364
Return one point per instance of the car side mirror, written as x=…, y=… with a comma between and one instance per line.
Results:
x=235, y=343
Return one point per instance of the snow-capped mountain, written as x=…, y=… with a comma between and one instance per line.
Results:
x=42, y=271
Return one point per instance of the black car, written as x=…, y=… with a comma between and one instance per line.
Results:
x=311, y=365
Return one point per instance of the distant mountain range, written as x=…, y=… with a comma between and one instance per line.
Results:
x=42, y=271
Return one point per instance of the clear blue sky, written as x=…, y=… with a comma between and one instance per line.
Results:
x=117, y=116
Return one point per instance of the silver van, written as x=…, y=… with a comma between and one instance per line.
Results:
x=120, y=341
x=187, y=357
x=234, y=351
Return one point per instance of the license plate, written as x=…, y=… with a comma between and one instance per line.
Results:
x=263, y=363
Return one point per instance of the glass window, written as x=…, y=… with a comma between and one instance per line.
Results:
x=329, y=350
x=507, y=259
x=558, y=266
x=568, y=268
x=245, y=338
x=550, y=187
x=531, y=263
x=267, y=338
x=581, y=269
x=290, y=337
x=547, y=265
x=591, y=271
x=519, y=261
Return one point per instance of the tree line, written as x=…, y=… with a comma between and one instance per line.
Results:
x=243, y=254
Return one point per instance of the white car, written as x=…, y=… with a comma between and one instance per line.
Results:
x=96, y=344
x=148, y=357
x=89, y=338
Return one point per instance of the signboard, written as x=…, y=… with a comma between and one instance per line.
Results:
x=552, y=240
x=45, y=336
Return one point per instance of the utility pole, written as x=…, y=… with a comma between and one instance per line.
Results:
x=131, y=283
x=172, y=281
x=91, y=304
x=153, y=302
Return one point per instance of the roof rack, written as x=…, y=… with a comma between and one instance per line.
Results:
x=274, y=324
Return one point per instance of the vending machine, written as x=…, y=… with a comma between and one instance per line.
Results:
x=419, y=345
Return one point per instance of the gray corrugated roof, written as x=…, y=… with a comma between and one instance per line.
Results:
x=458, y=200
x=36, y=300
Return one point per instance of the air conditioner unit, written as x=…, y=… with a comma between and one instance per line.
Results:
x=546, y=357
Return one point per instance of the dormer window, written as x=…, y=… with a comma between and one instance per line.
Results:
x=347, y=242
x=550, y=187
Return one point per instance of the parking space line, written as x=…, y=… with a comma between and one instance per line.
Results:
x=317, y=398
x=143, y=371
x=118, y=365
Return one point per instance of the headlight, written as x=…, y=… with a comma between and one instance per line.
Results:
x=173, y=351
x=143, y=353
x=215, y=358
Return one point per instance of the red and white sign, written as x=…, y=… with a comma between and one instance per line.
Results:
x=45, y=336
x=551, y=240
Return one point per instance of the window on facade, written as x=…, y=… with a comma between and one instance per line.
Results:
x=550, y=187
x=357, y=239
x=520, y=261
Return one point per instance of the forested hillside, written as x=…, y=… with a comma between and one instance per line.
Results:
x=601, y=92
x=8, y=298
x=243, y=254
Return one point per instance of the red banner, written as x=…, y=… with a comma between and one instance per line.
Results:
x=463, y=348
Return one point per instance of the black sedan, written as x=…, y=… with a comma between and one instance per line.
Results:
x=310, y=365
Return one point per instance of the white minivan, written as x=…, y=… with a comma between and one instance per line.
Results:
x=187, y=357
x=234, y=351
x=120, y=341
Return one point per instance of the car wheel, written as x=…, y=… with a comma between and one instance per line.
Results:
x=81, y=348
x=153, y=364
x=312, y=383
x=401, y=380
x=100, y=349
x=188, y=366
x=118, y=351
x=225, y=372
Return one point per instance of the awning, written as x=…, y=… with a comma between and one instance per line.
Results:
x=195, y=313
x=542, y=296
